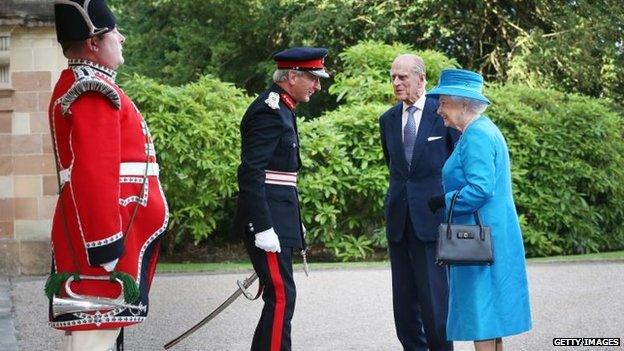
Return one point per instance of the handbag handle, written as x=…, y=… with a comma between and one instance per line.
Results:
x=450, y=218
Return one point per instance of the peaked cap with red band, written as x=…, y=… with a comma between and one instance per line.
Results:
x=303, y=59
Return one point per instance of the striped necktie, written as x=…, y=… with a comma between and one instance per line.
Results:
x=409, y=135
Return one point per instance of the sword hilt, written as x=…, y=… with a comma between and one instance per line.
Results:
x=245, y=284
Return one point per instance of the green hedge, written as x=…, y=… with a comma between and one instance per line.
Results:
x=195, y=130
x=344, y=179
x=568, y=168
x=366, y=74
x=566, y=158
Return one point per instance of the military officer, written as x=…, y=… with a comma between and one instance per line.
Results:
x=111, y=211
x=268, y=212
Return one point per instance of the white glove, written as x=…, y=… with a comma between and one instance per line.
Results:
x=268, y=241
x=110, y=266
x=304, y=229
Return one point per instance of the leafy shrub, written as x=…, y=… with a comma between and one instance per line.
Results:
x=346, y=179
x=195, y=129
x=350, y=248
x=343, y=178
x=567, y=156
x=566, y=151
x=366, y=74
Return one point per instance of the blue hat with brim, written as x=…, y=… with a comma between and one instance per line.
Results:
x=460, y=82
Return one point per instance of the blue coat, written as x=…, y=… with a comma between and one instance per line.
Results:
x=486, y=302
x=410, y=189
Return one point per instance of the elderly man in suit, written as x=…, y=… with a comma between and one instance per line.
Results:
x=415, y=144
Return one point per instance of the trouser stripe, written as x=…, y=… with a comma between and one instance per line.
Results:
x=280, y=301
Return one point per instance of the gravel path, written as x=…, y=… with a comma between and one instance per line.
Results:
x=341, y=310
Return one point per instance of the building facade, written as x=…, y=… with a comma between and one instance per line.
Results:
x=30, y=63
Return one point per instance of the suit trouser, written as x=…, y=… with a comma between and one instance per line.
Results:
x=92, y=340
x=419, y=294
x=275, y=272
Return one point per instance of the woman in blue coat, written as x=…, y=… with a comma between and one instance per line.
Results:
x=486, y=303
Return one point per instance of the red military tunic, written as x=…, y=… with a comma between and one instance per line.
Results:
x=104, y=152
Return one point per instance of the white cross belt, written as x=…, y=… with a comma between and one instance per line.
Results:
x=125, y=169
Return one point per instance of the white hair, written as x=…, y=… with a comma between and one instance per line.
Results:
x=474, y=105
x=417, y=64
x=281, y=75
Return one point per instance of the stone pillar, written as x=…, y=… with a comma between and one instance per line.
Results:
x=27, y=171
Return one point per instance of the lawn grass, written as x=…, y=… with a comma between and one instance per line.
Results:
x=602, y=256
x=203, y=267
x=227, y=267
x=244, y=266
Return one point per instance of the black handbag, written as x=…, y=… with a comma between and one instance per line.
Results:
x=464, y=244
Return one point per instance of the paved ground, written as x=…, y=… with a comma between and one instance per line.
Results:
x=7, y=329
x=341, y=310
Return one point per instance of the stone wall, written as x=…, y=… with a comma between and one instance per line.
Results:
x=27, y=173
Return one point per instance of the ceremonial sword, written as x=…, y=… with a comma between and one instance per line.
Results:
x=242, y=290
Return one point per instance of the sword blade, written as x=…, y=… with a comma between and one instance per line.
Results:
x=246, y=283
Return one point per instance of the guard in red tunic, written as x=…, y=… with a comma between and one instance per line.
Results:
x=111, y=212
x=268, y=213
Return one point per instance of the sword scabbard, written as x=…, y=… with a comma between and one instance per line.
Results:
x=306, y=269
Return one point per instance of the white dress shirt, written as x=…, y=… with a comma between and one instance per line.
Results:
x=420, y=105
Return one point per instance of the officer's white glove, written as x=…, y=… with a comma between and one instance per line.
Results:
x=268, y=241
x=305, y=231
x=110, y=266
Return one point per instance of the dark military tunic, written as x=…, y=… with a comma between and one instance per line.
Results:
x=268, y=199
x=269, y=142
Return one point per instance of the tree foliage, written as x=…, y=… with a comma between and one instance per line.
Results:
x=569, y=45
